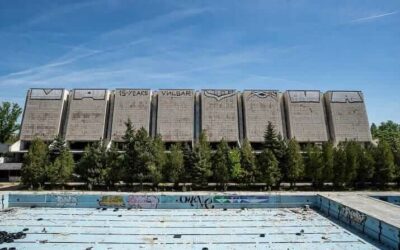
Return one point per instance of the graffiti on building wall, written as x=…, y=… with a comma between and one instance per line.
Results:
x=142, y=201
x=66, y=200
x=196, y=201
x=352, y=215
x=241, y=199
x=112, y=201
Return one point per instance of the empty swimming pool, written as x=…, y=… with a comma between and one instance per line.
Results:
x=116, y=228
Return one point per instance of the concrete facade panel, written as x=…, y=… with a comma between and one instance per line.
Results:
x=175, y=115
x=133, y=104
x=87, y=115
x=305, y=115
x=43, y=114
x=347, y=114
x=219, y=115
x=261, y=107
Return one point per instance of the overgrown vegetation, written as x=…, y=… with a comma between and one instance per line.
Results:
x=9, y=113
x=144, y=159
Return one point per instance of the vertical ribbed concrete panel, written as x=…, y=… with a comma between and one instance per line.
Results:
x=87, y=115
x=133, y=104
x=175, y=115
x=261, y=107
x=347, y=114
x=219, y=114
x=305, y=114
x=43, y=114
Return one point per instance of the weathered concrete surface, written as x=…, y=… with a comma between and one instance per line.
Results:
x=133, y=104
x=347, y=114
x=175, y=115
x=87, y=114
x=43, y=113
x=261, y=107
x=219, y=114
x=305, y=115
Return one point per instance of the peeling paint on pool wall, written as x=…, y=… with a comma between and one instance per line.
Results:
x=352, y=215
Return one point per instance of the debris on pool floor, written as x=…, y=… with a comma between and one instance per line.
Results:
x=90, y=228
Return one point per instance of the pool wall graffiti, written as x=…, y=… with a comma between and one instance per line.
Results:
x=364, y=223
x=187, y=201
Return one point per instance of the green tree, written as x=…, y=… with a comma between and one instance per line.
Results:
x=295, y=162
x=176, y=165
x=314, y=168
x=366, y=166
x=128, y=169
x=248, y=162
x=159, y=160
x=33, y=172
x=113, y=171
x=92, y=167
x=384, y=164
x=60, y=171
x=339, y=166
x=57, y=147
x=237, y=173
x=9, y=114
x=221, y=163
x=201, y=161
x=327, y=161
x=144, y=164
x=189, y=158
x=268, y=168
x=352, y=149
x=274, y=141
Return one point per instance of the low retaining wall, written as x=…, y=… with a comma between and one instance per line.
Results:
x=368, y=225
x=159, y=201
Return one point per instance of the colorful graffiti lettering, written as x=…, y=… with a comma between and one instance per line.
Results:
x=112, y=201
x=241, y=199
x=66, y=200
x=352, y=215
x=197, y=201
x=140, y=201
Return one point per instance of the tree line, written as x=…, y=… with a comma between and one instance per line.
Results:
x=144, y=159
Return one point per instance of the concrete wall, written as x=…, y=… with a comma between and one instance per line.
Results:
x=87, y=114
x=261, y=107
x=305, y=116
x=43, y=114
x=133, y=104
x=175, y=114
x=347, y=115
x=219, y=114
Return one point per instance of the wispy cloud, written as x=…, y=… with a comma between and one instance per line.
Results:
x=373, y=17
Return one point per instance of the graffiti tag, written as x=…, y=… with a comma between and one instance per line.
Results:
x=139, y=201
x=66, y=201
x=352, y=215
x=197, y=201
x=112, y=201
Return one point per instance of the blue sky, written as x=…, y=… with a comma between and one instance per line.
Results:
x=204, y=44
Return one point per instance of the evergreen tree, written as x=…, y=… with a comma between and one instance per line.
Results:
x=248, y=162
x=130, y=155
x=57, y=147
x=220, y=163
x=60, y=171
x=201, y=161
x=295, y=162
x=33, y=172
x=93, y=165
x=144, y=164
x=237, y=173
x=268, y=168
x=159, y=160
x=189, y=161
x=327, y=161
x=175, y=164
x=366, y=166
x=113, y=166
x=273, y=141
x=384, y=164
x=352, y=149
x=314, y=168
x=339, y=166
